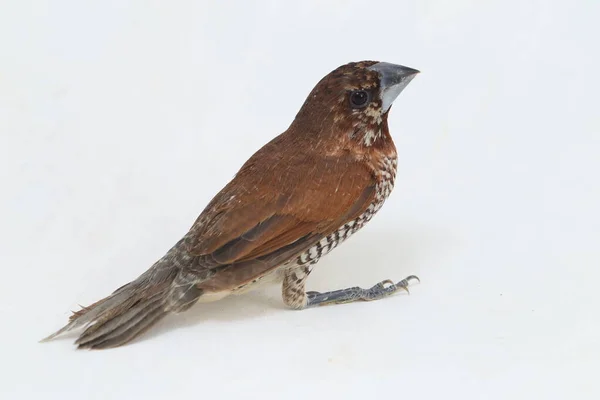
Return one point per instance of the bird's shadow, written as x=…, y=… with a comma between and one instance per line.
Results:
x=368, y=258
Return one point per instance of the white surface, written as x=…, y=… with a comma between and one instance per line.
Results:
x=120, y=120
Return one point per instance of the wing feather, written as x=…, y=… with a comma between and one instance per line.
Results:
x=264, y=217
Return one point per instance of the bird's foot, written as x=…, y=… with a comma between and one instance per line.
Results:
x=382, y=289
x=386, y=288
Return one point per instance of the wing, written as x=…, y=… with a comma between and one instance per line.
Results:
x=272, y=211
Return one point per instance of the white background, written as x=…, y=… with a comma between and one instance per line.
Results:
x=120, y=120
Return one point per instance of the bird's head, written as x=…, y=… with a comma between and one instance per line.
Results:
x=352, y=102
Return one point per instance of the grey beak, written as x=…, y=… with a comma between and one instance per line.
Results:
x=393, y=78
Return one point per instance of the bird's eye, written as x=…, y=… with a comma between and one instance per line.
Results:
x=359, y=98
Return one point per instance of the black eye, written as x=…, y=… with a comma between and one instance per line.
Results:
x=359, y=98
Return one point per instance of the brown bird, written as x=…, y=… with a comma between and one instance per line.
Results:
x=292, y=202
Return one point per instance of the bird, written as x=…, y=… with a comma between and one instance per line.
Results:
x=292, y=202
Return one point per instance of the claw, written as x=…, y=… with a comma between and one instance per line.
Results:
x=403, y=285
x=388, y=281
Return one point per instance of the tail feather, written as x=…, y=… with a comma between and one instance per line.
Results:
x=126, y=333
x=86, y=315
x=136, y=306
x=118, y=318
x=131, y=316
x=97, y=306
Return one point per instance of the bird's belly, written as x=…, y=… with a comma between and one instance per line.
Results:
x=330, y=242
x=273, y=276
x=213, y=296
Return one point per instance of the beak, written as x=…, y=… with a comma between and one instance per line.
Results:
x=393, y=79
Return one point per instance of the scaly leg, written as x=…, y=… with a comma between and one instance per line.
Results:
x=379, y=291
x=295, y=296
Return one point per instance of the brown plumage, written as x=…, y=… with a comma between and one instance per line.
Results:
x=292, y=202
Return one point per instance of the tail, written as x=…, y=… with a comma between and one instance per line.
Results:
x=136, y=306
x=118, y=318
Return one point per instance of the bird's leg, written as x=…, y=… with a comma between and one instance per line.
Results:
x=348, y=295
x=294, y=280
